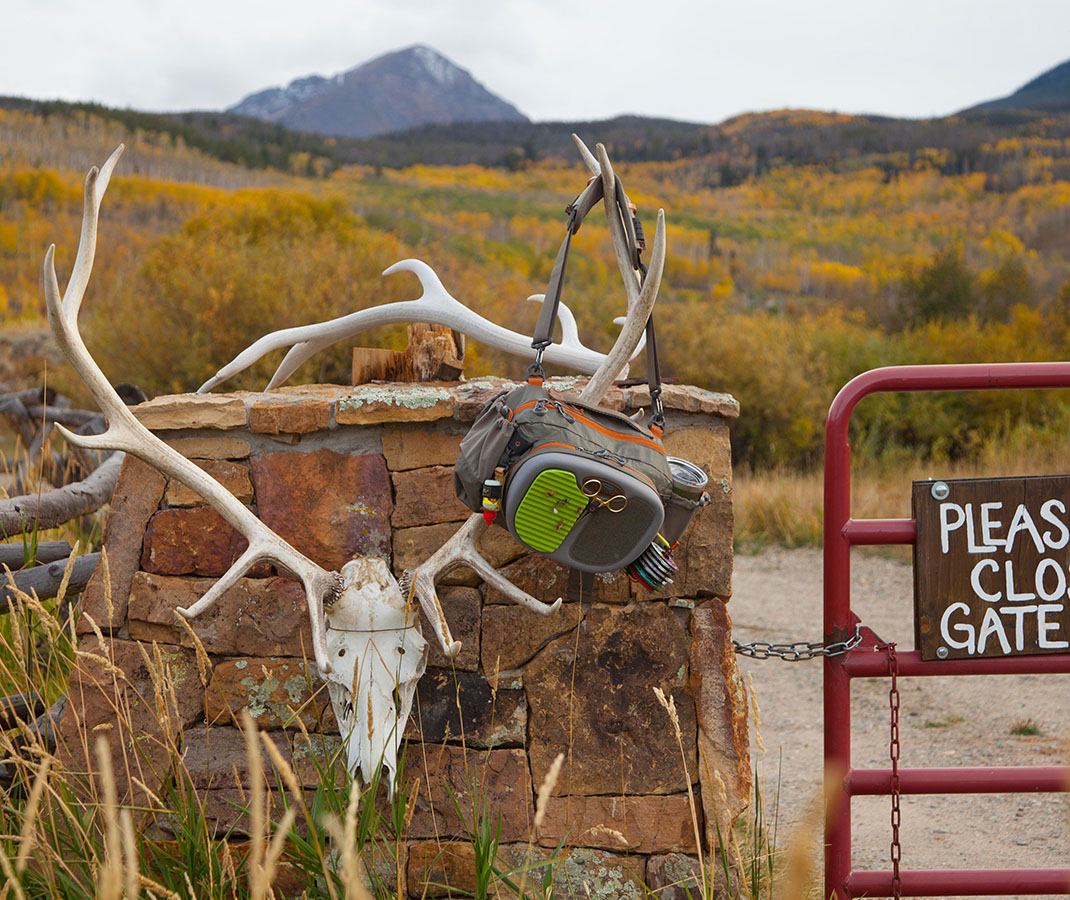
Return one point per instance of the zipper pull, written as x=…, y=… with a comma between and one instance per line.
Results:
x=561, y=409
x=540, y=407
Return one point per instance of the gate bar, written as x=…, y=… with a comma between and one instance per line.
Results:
x=879, y=531
x=950, y=883
x=839, y=534
x=962, y=780
x=875, y=665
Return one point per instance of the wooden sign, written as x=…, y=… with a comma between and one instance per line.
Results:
x=991, y=574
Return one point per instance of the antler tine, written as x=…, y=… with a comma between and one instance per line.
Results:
x=126, y=433
x=588, y=157
x=617, y=229
x=461, y=550
x=435, y=306
x=640, y=300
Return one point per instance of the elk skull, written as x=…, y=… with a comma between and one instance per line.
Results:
x=365, y=631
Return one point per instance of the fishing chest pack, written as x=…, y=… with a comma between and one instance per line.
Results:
x=584, y=485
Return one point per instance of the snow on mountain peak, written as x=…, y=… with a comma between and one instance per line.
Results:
x=437, y=66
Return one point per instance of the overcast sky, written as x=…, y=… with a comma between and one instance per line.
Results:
x=554, y=59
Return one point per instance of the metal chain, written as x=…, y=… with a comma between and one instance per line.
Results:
x=893, y=753
x=798, y=650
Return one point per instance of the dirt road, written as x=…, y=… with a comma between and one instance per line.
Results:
x=945, y=722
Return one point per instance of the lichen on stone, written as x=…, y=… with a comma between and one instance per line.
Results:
x=259, y=694
x=295, y=688
x=416, y=397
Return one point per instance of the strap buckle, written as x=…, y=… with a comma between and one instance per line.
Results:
x=535, y=370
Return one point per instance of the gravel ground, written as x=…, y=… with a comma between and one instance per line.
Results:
x=964, y=721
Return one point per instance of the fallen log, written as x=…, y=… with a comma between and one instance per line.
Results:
x=20, y=708
x=12, y=555
x=72, y=418
x=29, y=395
x=45, y=580
x=29, y=511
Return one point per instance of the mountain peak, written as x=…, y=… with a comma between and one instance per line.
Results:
x=1050, y=90
x=402, y=89
x=437, y=65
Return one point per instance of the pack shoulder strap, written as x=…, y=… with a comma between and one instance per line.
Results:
x=577, y=211
x=633, y=231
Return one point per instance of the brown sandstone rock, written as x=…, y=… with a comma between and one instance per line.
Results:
x=546, y=580
x=275, y=691
x=226, y=810
x=414, y=447
x=705, y=551
x=461, y=607
x=233, y=476
x=677, y=876
x=598, y=875
x=196, y=541
x=175, y=411
x=721, y=710
x=440, y=868
x=330, y=506
x=426, y=497
x=137, y=494
x=472, y=396
x=448, y=869
x=502, y=776
x=223, y=446
x=463, y=705
x=123, y=709
x=647, y=824
x=413, y=546
x=369, y=404
x=621, y=738
x=256, y=617
x=289, y=416
x=498, y=547
x=512, y=635
x=687, y=398
x=217, y=757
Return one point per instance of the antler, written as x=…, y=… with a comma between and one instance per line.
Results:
x=640, y=299
x=461, y=548
x=435, y=306
x=126, y=433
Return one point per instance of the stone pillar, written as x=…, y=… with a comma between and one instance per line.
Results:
x=368, y=470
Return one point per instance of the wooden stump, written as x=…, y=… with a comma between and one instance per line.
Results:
x=435, y=353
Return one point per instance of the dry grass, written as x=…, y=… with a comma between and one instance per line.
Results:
x=786, y=508
x=67, y=835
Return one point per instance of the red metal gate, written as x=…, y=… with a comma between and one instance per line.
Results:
x=841, y=533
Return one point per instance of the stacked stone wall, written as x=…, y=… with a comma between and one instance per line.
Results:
x=368, y=470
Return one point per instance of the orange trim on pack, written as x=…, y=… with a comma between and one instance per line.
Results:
x=578, y=414
x=637, y=438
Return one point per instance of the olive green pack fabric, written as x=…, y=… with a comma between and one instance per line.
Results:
x=542, y=442
x=516, y=422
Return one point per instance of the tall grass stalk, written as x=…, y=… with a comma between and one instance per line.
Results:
x=669, y=704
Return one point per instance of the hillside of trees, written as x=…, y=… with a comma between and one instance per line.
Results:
x=845, y=243
x=739, y=147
